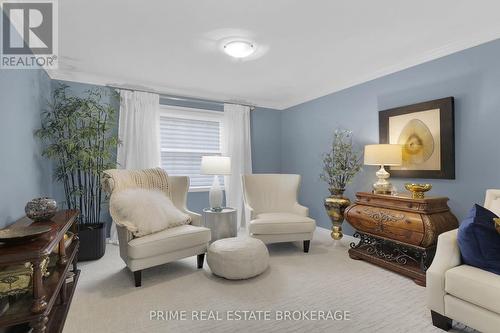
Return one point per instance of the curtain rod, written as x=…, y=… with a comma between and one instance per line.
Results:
x=180, y=98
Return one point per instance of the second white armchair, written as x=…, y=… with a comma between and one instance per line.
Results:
x=272, y=211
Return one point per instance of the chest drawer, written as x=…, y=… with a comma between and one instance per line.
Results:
x=403, y=226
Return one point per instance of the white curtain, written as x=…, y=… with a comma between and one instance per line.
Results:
x=237, y=145
x=139, y=132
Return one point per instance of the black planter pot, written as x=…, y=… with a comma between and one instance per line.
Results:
x=92, y=241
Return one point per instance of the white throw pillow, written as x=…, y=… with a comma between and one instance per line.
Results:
x=144, y=212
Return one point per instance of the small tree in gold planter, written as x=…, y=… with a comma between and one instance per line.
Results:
x=340, y=165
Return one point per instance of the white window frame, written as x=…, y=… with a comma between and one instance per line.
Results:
x=194, y=114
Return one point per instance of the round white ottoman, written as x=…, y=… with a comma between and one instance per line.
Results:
x=238, y=258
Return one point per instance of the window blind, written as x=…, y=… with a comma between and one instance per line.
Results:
x=183, y=141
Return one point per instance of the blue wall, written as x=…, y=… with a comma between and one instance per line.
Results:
x=24, y=173
x=471, y=76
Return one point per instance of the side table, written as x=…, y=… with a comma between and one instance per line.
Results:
x=223, y=224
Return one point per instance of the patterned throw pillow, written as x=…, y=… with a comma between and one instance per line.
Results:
x=478, y=240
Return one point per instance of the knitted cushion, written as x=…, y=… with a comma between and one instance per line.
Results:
x=115, y=180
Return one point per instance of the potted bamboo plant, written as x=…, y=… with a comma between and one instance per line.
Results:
x=78, y=132
x=340, y=165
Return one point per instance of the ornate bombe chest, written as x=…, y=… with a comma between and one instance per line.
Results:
x=399, y=232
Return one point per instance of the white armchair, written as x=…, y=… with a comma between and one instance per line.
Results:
x=164, y=246
x=464, y=293
x=272, y=209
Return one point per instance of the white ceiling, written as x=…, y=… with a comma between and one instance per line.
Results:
x=305, y=49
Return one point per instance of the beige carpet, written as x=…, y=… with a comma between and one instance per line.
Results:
x=326, y=279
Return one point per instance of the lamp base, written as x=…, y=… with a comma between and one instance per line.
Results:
x=382, y=186
x=215, y=196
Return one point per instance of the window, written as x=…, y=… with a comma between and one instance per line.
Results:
x=185, y=136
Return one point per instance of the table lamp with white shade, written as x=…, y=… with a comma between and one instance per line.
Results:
x=215, y=165
x=383, y=155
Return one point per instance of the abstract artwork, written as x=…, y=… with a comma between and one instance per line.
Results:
x=426, y=133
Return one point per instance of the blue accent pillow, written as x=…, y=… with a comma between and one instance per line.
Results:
x=478, y=240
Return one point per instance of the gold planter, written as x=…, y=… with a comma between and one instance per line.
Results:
x=335, y=206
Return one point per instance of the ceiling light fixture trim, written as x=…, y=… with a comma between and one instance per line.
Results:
x=239, y=48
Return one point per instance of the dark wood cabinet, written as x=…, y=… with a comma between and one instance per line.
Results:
x=44, y=308
x=398, y=232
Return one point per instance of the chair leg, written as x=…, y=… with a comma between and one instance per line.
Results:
x=440, y=321
x=201, y=258
x=306, y=246
x=138, y=278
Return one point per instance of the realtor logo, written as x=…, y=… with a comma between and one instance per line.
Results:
x=29, y=34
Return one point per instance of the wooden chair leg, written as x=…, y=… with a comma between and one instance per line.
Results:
x=138, y=278
x=440, y=321
x=201, y=258
x=306, y=246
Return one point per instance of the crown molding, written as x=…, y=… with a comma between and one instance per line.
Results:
x=100, y=80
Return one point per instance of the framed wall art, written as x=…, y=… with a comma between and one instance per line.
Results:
x=427, y=133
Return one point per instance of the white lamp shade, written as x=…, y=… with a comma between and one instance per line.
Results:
x=383, y=154
x=216, y=165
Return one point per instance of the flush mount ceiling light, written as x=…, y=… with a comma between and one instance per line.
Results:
x=239, y=49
